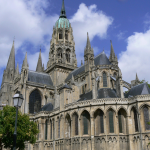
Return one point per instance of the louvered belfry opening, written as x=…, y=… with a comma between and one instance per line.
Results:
x=34, y=102
x=111, y=121
x=99, y=122
x=86, y=122
x=104, y=79
x=146, y=117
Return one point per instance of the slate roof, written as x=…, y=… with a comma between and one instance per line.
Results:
x=47, y=107
x=106, y=93
x=102, y=93
x=100, y=59
x=38, y=77
x=141, y=89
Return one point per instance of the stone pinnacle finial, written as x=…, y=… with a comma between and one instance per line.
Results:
x=81, y=62
x=11, y=60
x=25, y=62
x=137, y=79
x=88, y=44
x=39, y=67
x=17, y=71
x=112, y=53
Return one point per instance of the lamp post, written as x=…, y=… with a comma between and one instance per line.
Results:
x=18, y=99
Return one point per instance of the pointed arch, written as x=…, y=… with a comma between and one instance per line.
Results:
x=104, y=79
x=122, y=120
x=99, y=121
x=75, y=123
x=68, y=125
x=85, y=117
x=122, y=107
x=35, y=100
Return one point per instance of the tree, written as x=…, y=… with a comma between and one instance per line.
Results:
x=146, y=82
x=26, y=129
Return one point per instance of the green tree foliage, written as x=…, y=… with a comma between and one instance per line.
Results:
x=146, y=82
x=26, y=129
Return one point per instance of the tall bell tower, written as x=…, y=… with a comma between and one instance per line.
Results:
x=62, y=57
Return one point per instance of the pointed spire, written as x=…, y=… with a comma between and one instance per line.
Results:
x=88, y=44
x=25, y=62
x=43, y=67
x=63, y=11
x=39, y=67
x=112, y=53
x=17, y=71
x=137, y=79
x=81, y=62
x=11, y=60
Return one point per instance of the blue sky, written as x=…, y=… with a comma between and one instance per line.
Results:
x=125, y=22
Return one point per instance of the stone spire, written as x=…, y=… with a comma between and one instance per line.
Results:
x=25, y=63
x=63, y=11
x=81, y=62
x=88, y=49
x=17, y=71
x=112, y=56
x=39, y=67
x=11, y=60
x=137, y=79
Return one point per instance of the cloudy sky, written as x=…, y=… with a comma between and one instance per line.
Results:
x=125, y=22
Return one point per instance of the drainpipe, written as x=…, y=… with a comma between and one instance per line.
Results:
x=139, y=124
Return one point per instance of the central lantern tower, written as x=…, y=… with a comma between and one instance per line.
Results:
x=62, y=57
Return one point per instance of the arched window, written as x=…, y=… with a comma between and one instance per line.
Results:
x=146, y=117
x=86, y=122
x=75, y=122
x=68, y=126
x=46, y=126
x=120, y=122
x=99, y=122
x=68, y=55
x=51, y=129
x=135, y=120
x=104, y=80
x=60, y=35
x=59, y=53
x=111, y=121
x=34, y=102
x=58, y=127
x=66, y=36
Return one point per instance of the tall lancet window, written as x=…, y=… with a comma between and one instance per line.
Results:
x=60, y=35
x=104, y=79
x=146, y=117
x=111, y=121
x=135, y=120
x=46, y=126
x=68, y=55
x=59, y=53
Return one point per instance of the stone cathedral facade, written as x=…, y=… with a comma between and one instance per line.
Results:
x=82, y=107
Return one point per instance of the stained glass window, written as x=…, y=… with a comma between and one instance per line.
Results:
x=34, y=102
x=46, y=124
x=101, y=121
x=76, y=124
x=120, y=121
x=85, y=122
x=111, y=122
x=104, y=80
x=135, y=120
x=146, y=118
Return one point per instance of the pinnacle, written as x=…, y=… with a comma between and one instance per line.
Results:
x=112, y=53
x=137, y=77
x=17, y=70
x=25, y=62
x=11, y=60
x=63, y=11
x=39, y=67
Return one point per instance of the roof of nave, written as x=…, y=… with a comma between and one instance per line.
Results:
x=47, y=107
x=100, y=59
x=102, y=93
x=38, y=77
x=141, y=89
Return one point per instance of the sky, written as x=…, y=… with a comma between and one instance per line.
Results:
x=125, y=22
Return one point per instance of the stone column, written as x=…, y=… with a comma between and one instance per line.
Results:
x=92, y=133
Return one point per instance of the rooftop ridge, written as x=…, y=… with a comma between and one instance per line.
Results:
x=39, y=72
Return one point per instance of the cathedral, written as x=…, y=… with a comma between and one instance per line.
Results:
x=83, y=107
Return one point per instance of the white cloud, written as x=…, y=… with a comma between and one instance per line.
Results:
x=27, y=21
x=121, y=35
x=136, y=58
